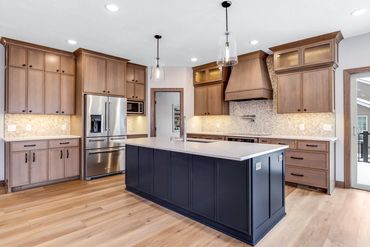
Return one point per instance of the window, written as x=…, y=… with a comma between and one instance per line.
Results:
x=362, y=123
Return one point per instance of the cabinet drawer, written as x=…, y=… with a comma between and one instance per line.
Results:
x=306, y=159
x=264, y=140
x=28, y=145
x=313, y=145
x=63, y=143
x=290, y=143
x=306, y=176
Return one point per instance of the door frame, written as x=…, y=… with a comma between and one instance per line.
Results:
x=153, y=92
x=347, y=120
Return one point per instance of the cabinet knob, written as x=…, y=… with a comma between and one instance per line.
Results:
x=56, y=111
x=24, y=65
x=304, y=109
x=136, y=80
x=30, y=111
x=108, y=91
x=299, y=110
x=30, y=66
x=132, y=80
x=62, y=71
x=63, y=112
x=103, y=91
x=57, y=70
x=23, y=110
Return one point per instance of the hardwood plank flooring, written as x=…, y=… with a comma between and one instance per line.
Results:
x=102, y=213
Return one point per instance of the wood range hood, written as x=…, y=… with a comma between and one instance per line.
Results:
x=249, y=79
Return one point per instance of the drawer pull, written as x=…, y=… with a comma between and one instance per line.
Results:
x=33, y=157
x=297, y=175
x=311, y=145
x=281, y=143
x=63, y=143
x=61, y=154
x=29, y=145
x=67, y=153
x=296, y=158
x=25, y=158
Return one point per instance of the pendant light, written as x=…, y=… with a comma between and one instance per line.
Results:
x=227, y=51
x=157, y=72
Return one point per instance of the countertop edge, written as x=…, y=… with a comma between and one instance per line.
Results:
x=39, y=138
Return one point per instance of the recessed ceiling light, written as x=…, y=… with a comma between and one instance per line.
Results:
x=254, y=42
x=72, y=42
x=358, y=12
x=112, y=7
x=194, y=59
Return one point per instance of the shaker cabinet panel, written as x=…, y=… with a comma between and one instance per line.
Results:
x=289, y=93
x=35, y=59
x=116, y=78
x=67, y=65
x=140, y=75
x=39, y=166
x=95, y=75
x=17, y=90
x=56, y=164
x=130, y=90
x=214, y=99
x=19, y=169
x=52, y=93
x=200, y=98
x=17, y=56
x=130, y=73
x=317, y=90
x=52, y=62
x=72, y=162
x=139, y=91
x=35, y=91
x=67, y=94
x=180, y=179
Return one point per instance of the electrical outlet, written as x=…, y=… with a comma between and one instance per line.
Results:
x=12, y=127
x=327, y=127
x=28, y=127
x=301, y=127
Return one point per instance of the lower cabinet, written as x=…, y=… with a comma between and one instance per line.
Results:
x=34, y=162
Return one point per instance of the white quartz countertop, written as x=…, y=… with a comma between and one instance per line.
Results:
x=37, y=138
x=218, y=149
x=254, y=135
x=136, y=133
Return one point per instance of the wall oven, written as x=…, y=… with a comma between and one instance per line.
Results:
x=135, y=107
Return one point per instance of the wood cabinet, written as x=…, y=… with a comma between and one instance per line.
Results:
x=67, y=94
x=210, y=72
x=208, y=100
x=312, y=52
x=100, y=73
x=307, y=91
x=33, y=163
x=33, y=79
x=135, y=82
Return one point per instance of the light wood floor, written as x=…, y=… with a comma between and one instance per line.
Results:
x=102, y=213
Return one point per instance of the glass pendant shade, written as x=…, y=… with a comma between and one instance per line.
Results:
x=227, y=55
x=157, y=73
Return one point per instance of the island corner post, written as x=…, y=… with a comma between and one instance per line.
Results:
x=244, y=199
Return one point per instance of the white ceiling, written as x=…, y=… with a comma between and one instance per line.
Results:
x=189, y=27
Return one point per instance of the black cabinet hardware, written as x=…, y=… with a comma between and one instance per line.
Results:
x=24, y=65
x=67, y=153
x=63, y=112
x=56, y=111
x=29, y=145
x=63, y=143
x=281, y=143
x=57, y=70
x=311, y=145
x=299, y=110
x=23, y=110
x=33, y=157
x=25, y=158
x=61, y=154
x=30, y=111
x=296, y=158
x=305, y=109
x=297, y=175
x=30, y=66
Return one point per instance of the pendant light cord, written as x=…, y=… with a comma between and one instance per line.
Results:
x=157, y=52
x=227, y=26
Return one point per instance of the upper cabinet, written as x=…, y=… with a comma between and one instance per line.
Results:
x=318, y=51
x=33, y=75
x=101, y=74
x=209, y=90
x=135, y=82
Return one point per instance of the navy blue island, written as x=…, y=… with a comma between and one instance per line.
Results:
x=236, y=188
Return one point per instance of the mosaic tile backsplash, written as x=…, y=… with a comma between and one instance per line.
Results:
x=267, y=120
x=36, y=125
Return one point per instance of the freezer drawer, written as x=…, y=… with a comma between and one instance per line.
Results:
x=100, y=162
x=96, y=142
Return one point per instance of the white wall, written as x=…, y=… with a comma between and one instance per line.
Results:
x=2, y=98
x=353, y=53
x=176, y=77
x=164, y=113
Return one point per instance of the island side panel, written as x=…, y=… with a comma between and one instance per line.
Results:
x=161, y=174
x=132, y=166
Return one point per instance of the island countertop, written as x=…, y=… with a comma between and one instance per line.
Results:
x=217, y=149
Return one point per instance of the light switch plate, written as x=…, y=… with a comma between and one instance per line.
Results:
x=12, y=127
x=258, y=166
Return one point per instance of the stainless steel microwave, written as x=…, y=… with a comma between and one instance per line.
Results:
x=135, y=107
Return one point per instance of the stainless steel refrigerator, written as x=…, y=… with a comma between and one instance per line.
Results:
x=105, y=121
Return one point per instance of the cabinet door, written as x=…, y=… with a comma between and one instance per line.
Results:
x=203, y=186
x=67, y=94
x=146, y=169
x=35, y=89
x=140, y=75
x=35, y=59
x=317, y=90
x=52, y=62
x=180, y=179
x=94, y=76
x=289, y=93
x=17, y=56
x=132, y=166
x=276, y=177
x=116, y=78
x=67, y=65
x=130, y=90
x=17, y=89
x=72, y=162
x=19, y=168
x=139, y=91
x=161, y=173
x=214, y=99
x=130, y=73
x=56, y=164
x=39, y=166
x=52, y=93
x=200, y=101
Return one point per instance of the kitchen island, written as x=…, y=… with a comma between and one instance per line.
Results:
x=236, y=188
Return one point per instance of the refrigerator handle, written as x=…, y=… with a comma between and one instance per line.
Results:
x=109, y=116
x=105, y=116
